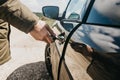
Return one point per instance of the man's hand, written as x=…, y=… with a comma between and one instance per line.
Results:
x=42, y=32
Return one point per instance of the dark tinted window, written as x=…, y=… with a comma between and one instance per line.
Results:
x=105, y=12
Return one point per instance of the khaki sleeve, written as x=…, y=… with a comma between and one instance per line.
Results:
x=18, y=15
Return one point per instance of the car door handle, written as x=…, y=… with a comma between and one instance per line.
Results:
x=60, y=37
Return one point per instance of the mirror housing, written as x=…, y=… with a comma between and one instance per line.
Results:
x=51, y=12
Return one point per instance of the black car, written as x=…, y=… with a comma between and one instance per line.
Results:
x=88, y=44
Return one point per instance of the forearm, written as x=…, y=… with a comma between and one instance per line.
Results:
x=18, y=15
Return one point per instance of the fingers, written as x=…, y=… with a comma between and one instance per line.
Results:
x=48, y=39
x=50, y=30
x=42, y=32
x=89, y=49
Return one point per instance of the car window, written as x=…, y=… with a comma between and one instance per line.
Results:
x=75, y=12
x=105, y=12
x=75, y=8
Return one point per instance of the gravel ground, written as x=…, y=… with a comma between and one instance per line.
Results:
x=25, y=51
x=32, y=71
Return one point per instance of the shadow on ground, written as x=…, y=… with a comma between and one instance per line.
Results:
x=32, y=71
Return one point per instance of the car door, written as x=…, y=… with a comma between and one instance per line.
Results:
x=87, y=24
x=100, y=31
x=75, y=63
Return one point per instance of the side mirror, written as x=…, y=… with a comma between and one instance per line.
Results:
x=51, y=11
x=74, y=16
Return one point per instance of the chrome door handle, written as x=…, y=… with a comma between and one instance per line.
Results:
x=60, y=38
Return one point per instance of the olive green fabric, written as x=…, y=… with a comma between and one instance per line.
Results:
x=4, y=43
x=19, y=16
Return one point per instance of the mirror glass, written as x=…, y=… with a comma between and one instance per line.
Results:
x=51, y=11
x=74, y=16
